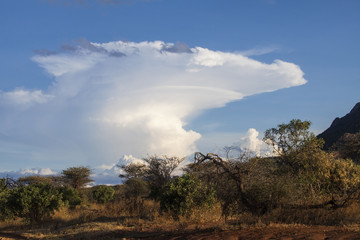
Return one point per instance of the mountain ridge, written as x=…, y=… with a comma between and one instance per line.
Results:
x=350, y=123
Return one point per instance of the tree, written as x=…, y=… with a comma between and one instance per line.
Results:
x=7, y=183
x=133, y=170
x=103, y=194
x=290, y=142
x=156, y=171
x=34, y=202
x=55, y=181
x=77, y=177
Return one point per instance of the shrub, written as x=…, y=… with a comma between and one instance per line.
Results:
x=183, y=194
x=70, y=196
x=34, y=202
x=136, y=188
x=103, y=194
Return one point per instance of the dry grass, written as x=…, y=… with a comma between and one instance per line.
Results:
x=102, y=221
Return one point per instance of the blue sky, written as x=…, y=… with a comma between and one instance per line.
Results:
x=321, y=37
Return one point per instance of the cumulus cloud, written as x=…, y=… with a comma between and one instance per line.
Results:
x=109, y=174
x=116, y=98
x=253, y=143
x=28, y=172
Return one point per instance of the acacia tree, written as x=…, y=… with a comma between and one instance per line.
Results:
x=77, y=177
x=133, y=170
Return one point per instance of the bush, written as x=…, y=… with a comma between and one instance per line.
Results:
x=103, y=194
x=183, y=194
x=4, y=210
x=34, y=202
x=70, y=196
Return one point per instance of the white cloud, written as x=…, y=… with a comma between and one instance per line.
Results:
x=120, y=98
x=28, y=172
x=23, y=97
x=253, y=143
x=38, y=171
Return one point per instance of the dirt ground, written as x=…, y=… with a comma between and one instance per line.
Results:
x=252, y=233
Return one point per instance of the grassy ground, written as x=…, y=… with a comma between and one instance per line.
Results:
x=142, y=221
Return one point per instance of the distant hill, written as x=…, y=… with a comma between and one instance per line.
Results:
x=350, y=123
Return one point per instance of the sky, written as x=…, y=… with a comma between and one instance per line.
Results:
x=95, y=82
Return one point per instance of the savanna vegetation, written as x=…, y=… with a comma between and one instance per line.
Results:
x=299, y=184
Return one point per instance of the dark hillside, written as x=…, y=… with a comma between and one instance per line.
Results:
x=350, y=123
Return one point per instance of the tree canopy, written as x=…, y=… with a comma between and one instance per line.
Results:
x=77, y=177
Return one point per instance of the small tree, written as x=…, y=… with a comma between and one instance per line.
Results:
x=77, y=177
x=134, y=170
x=34, y=202
x=103, y=194
x=156, y=171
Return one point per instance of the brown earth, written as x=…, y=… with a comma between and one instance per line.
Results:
x=251, y=233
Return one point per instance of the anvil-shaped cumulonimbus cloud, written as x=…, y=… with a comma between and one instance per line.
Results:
x=133, y=98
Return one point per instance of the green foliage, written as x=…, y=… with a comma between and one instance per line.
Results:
x=6, y=184
x=294, y=145
x=103, y=194
x=77, y=177
x=55, y=181
x=70, y=196
x=183, y=194
x=133, y=170
x=290, y=142
x=5, y=212
x=34, y=202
